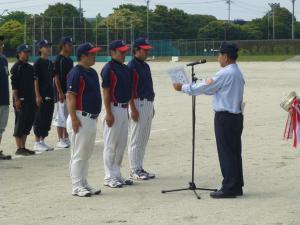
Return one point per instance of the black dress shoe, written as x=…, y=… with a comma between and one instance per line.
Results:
x=221, y=194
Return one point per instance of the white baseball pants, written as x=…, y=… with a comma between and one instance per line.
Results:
x=82, y=145
x=115, y=141
x=140, y=133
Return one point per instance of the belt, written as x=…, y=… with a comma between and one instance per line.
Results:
x=89, y=115
x=47, y=98
x=121, y=105
x=148, y=99
x=227, y=112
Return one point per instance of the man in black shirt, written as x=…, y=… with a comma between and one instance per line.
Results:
x=4, y=95
x=22, y=82
x=44, y=96
x=62, y=66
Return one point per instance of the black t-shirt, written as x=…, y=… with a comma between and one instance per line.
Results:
x=22, y=80
x=4, y=90
x=44, y=72
x=62, y=66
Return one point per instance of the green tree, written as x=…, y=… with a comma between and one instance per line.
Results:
x=13, y=31
x=14, y=15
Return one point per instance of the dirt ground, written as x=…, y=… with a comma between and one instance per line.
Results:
x=36, y=190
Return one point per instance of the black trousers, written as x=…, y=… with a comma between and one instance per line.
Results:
x=24, y=119
x=228, y=131
x=43, y=118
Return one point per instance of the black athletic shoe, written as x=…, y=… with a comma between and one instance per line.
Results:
x=22, y=151
x=4, y=157
x=29, y=151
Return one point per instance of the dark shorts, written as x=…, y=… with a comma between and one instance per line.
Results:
x=24, y=119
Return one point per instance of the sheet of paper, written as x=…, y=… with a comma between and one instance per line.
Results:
x=178, y=75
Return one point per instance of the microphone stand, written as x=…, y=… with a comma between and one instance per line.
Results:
x=191, y=185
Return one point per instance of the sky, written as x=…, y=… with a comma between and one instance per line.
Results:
x=240, y=9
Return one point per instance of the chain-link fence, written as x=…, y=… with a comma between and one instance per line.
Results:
x=92, y=30
x=80, y=29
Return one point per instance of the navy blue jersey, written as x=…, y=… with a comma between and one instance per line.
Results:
x=117, y=77
x=142, y=79
x=4, y=90
x=85, y=84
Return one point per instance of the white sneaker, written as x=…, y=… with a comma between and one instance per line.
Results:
x=81, y=192
x=113, y=183
x=61, y=144
x=67, y=141
x=39, y=147
x=49, y=148
x=92, y=190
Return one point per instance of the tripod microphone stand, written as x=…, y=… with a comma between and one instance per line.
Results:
x=192, y=186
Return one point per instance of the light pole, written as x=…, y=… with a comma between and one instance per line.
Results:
x=148, y=2
x=273, y=6
x=229, y=9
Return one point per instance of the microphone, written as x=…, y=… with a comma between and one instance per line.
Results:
x=202, y=61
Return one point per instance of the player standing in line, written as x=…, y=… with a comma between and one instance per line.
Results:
x=84, y=105
x=4, y=95
x=44, y=96
x=117, y=92
x=141, y=109
x=22, y=82
x=62, y=66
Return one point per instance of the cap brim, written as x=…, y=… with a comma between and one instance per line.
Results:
x=48, y=44
x=67, y=43
x=145, y=47
x=124, y=48
x=94, y=50
x=26, y=50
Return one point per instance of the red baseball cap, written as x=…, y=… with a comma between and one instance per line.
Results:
x=142, y=43
x=119, y=45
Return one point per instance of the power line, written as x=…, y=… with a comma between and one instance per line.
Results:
x=191, y=3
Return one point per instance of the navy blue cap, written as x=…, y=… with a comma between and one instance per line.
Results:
x=227, y=47
x=87, y=48
x=67, y=40
x=142, y=43
x=23, y=48
x=119, y=45
x=43, y=43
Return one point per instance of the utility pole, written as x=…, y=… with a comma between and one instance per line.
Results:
x=268, y=25
x=273, y=6
x=80, y=10
x=293, y=27
x=148, y=3
x=229, y=9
